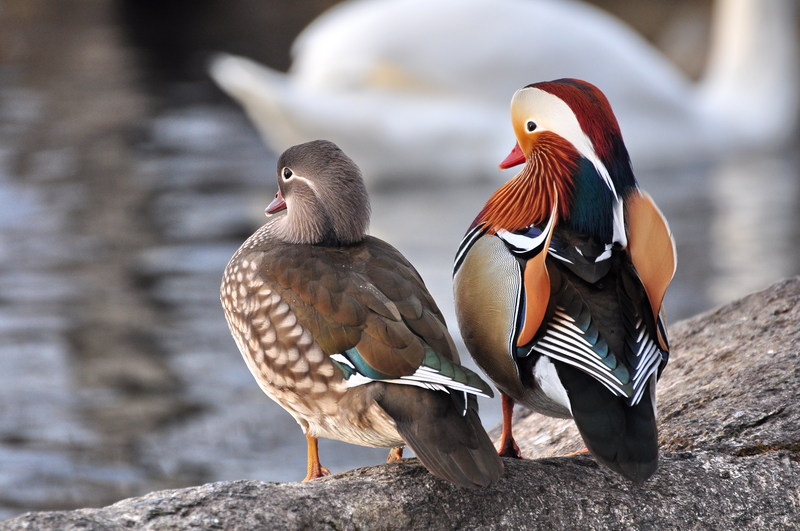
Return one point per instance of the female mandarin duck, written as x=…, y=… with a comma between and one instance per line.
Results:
x=560, y=278
x=339, y=329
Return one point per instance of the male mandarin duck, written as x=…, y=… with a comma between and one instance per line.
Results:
x=338, y=328
x=559, y=281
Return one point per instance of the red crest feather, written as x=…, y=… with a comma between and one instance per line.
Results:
x=592, y=109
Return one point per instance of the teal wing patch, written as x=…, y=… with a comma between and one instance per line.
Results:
x=436, y=373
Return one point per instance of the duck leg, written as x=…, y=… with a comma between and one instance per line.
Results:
x=508, y=447
x=579, y=452
x=395, y=454
x=315, y=470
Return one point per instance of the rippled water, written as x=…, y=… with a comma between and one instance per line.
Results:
x=122, y=196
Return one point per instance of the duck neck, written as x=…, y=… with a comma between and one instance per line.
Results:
x=592, y=210
x=304, y=224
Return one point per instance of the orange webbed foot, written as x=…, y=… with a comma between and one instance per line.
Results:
x=318, y=472
x=315, y=469
x=508, y=446
x=395, y=454
x=579, y=452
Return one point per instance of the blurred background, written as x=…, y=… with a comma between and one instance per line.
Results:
x=127, y=180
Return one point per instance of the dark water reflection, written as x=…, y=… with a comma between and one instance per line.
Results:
x=127, y=181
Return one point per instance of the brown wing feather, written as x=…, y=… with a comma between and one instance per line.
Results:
x=652, y=249
x=449, y=441
x=366, y=296
x=400, y=282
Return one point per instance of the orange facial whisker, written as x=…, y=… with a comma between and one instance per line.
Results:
x=528, y=198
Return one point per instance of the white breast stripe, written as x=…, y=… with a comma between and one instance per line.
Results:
x=525, y=244
x=466, y=244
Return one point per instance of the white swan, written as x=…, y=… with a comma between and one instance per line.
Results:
x=421, y=88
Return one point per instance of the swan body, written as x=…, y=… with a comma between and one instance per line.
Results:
x=397, y=77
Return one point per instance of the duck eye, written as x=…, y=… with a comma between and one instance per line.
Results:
x=287, y=173
x=531, y=125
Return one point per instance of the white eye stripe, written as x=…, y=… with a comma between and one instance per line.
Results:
x=553, y=114
x=308, y=182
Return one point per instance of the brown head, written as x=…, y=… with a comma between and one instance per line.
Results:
x=574, y=156
x=323, y=194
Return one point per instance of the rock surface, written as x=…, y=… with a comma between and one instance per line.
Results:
x=730, y=434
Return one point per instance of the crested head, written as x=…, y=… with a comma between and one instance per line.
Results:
x=324, y=195
x=579, y=113
x=572, y=108
x=570, y=141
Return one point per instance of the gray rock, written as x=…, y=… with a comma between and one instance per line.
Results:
x=730, y=432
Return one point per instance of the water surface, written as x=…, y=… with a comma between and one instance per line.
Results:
x=125, y=186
